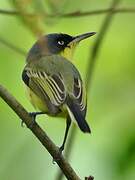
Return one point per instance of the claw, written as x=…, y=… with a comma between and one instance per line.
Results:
x=53, y=161
x=33, y=116
x=61, y=149
x=56, y=159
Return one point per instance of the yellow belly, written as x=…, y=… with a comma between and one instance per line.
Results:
x=36, y=101
x=39, y=104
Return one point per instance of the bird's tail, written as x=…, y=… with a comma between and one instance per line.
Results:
x=77, y=115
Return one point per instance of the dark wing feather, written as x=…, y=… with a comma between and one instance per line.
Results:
x=49, y=88
x=78, y=115
x=80, y=95
x=77, y=105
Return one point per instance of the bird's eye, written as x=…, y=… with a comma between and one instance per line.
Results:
x=61, y=43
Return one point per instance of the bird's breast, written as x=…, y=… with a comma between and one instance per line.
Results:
x=40, y=105
x=36, y=101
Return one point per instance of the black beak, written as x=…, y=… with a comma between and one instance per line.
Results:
x=81, y=37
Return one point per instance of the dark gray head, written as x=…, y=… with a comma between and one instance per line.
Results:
x=58, y=42
x=55, y=44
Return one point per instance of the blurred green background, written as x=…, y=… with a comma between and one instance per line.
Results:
x=109, y=152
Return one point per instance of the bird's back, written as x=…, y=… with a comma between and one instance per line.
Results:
x=58, y=65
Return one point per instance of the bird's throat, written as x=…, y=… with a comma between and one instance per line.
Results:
x=68, y=53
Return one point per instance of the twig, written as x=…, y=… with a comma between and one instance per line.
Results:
x=73, y=14
x=16, y=13
x=39, y=133
x=95, y=12
x=96, y=47
x=12, y=47
x=9, y=12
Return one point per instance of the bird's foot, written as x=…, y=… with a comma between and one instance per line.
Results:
x=61, y=148
x=33, y=116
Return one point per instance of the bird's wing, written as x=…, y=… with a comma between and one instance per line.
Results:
x=79, y=94
x=49, y=88
x=76, y=105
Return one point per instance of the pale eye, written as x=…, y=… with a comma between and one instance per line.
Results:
x=61, y=43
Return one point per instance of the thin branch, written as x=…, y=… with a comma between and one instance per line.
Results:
x=14, y=13
x=39, y=133
x=73, y=14
x=9, y=12
x=95, y=12
x=96, y=47
x=12, y=47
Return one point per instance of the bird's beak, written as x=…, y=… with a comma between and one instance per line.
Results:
x=81, y=37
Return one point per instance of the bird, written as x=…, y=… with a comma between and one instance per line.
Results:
x=53, y=83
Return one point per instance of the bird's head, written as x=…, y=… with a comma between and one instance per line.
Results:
x=62, y=44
